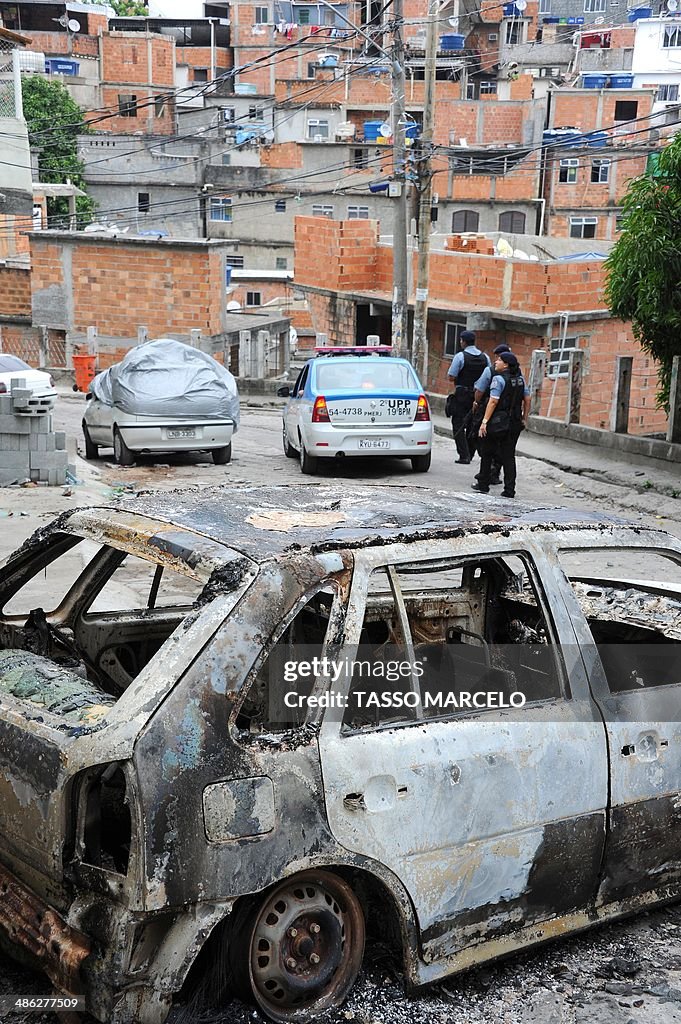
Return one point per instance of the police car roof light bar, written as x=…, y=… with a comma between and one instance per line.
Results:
x=354, y=350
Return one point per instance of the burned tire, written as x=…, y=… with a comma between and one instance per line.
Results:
x=122, y=454
x=91, y=449
x=304, y=945
x=221, y=456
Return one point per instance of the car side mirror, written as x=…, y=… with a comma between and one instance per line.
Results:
x=284, y=391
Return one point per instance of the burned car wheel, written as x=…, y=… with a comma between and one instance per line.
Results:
x=305, y=946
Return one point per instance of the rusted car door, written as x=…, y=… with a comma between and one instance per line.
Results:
x=490, y=822
x=631, y=641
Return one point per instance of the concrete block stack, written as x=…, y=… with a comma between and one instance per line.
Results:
x=29, y=448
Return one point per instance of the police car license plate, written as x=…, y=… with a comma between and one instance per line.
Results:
x=372, y=443
x=182, y=433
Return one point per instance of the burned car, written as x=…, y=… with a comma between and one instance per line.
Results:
x=190, y=794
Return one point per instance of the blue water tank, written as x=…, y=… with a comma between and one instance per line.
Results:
x=594, y=81
x=412, y=131
x=452, y=41
x=640, y=12
x=567, y=137
x=596, y=139
x=372, y=129
x=59, y=66
x=621, y=81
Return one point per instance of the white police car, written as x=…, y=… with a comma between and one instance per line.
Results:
x=358, y=401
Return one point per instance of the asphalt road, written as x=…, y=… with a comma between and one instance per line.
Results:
x=628, y=973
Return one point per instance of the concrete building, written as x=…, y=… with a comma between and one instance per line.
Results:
x=656, y=62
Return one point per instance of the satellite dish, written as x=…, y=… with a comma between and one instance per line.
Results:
x=600, y=21
x=386, y=130
x=454, y=22
x=73, y=25
x=672, y=5
x=520, y=5
x=233, y=306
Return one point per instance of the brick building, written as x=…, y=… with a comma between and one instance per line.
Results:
x=554, y=304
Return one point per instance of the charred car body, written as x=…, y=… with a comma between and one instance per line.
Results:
x=166, y=807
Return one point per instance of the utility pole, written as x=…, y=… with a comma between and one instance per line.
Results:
x=400, y=308
x=419, y=348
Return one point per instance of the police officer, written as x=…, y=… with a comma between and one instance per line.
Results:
x=467, y=366
x=504, y=418
x=479, y=405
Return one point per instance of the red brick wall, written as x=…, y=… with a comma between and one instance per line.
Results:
x=580, y=107
x=125, y=59
x=199, y=57
x=335, y=254
x=146, y=119
x=122, y=285
x=15, y=291
x=284, y=154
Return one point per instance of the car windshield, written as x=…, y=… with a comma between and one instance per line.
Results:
x=8, y=363
x=363, y=375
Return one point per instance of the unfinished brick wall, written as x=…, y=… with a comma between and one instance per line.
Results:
x=139, y=58
x=335, y=254
x=15, y=291
x=200, y=57
x=594, y=109
x=13, y=240
x=148, y=117
x=284, y=154
x=118, y=284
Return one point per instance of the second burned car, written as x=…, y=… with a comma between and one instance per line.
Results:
x=181, y=801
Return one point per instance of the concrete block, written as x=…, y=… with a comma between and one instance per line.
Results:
x=18, y=384
x=48, y=460
x=42, y=442
x=56, y=477
x=14, y=425
x=40, y=424
x=13, y=467
x=25, y=441
x=5, y=405
x=21, y=397
x=9, y=442
x=60, y=440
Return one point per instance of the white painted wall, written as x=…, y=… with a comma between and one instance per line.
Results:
x=649, y=53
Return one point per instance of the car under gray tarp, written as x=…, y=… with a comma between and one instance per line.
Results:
x=166, y=377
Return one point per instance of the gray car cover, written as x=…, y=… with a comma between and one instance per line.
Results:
x=168, y=378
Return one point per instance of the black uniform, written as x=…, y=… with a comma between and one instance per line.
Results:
x=503, y=431
x=463, y=400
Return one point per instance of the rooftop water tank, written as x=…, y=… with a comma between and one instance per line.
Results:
x=452, y=41
x=594, y=81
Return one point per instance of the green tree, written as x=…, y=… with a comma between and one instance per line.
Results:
x=129, y=8
x=54, y=122
x=644, y=266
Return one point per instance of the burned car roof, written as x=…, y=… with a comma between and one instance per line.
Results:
x=263, y=522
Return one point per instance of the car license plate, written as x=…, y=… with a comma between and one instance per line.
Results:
x=182, y=433
x=366, y=443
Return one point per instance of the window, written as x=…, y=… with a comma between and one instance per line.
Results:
x=264, y=707
x=632, y=623
x=262, y=16
x=256, y=113
x=237, y=262
x=672, y=36
x=600, y=171
x=488, y=88
x=452, y=337
x=512, y=221
x=358, y=212
x=54, y=574
x=594, y=6
x=200, y=74
x=515, y=32
x=159, y=106
x=280, y=206
x=360, y=158
x=253, y=299
x=226, y=159
x=567, y=174
x=465, y=220
x=281, y=263
x=302, y=16
x=626, y=110
x=583, y=227
x=544, y=6
x=559, y=356
x=137, y=584
x=619, y=223
x=478, y=625
x=321, y=210
x=143, y=202
x=668, y=93
x=127, y=104
x=227, y=115
x=317, y=127
x=492, y=37
x=312, y=69
x=221, y=208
